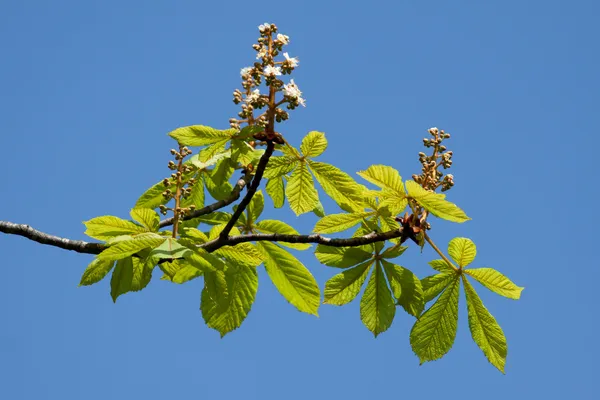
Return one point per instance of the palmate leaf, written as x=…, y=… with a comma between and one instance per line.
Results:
x=462, y=250
x=293, y=280
x=393, y=194
x=200, y=135
x=108, y=226
x=344, y=287
x=341, y=257
x=227, y=297
x=406, y=287
x=496, y=282
x=279, y=166
x=300, y=191
x=433, y=334
x=484, y=329
x=340, y=222
x=313, y=144
x=147, y=217
x=276, y=191
x=441, y=266
x=340, y=186
x=275, y=226
x=125, y=248
x=434, y=284
x=130, y=275
x=377, y=306
x=96, y=271
x=436, y=203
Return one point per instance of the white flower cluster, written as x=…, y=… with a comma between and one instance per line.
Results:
x=292, y=91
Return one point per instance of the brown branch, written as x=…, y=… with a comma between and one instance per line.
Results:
x=37, y=236
x=314, y=238
x=260, y=169
x=235, y=194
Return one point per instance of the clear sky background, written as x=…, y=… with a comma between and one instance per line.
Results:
x=89, y=90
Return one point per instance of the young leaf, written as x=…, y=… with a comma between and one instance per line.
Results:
x=170, y=249
x=96, y=271
x=214, y=150
x=186, y=273
x=496, y=282
x=394, y=251
x=386, y=178
x=436, y=203
x=340, y=222
x=120, y=282
x=462, y=250
x=106, y=227
x=126, y=248
x=214, y=218
x=274, y=226
x=406, y=287
x=199, y=135
x=313, y=144
x=147, y=217
x=291, y=278
x=242, y=152
x=484, y=329
x=300, y=191
x=197, y=196
x=244, y=254
x=377, y=306
x=344, y=287
x=434, y=284
x=340, y=186
x=217, y=183
x=341, y=257
x=227, y=297
x=152, y=197
x=433, y=334
x=441, y=266
x=276, y=191
x=256, y=206
x=279, y=166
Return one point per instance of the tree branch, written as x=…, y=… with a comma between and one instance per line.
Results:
x=315, y=238
x=37, y=236
x=260, y=169
x=235, y=194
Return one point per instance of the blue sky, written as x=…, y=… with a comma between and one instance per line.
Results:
x=89, y=90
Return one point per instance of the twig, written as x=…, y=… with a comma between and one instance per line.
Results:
x=437, y=250
x=260, y=169
x=37, y=236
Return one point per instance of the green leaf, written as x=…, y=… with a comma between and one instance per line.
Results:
x=152, y=197
x=214, y=150
x=275, y=226
x=441, y=266
x=340, y=186
x=203, y=163
x=186, y=273
x=279, y=166
x=313, y=144
x=386, y=178
x=147, y=217
x=276, y=191
x=96, y=271
x=394, y=251
x=484, y=329
x=242, y=152
x=300, y=191
x=227, y=297
x=462, y=250
x=217, y=183
x=244, y=254
x=170, y=249
x=377, y=306
x=340, y=222
x=197, y=196
x=291, y=278
x=214, y=218
x=200, y=135
x=433, y=334
x=126, y=248
x=108, y=226
x=436, y=203
x=406, y=288
x=434, y=284
x=344, y=287
x=256, y=206
x=319, y=211
x=204, y=261
x=130, y=275
x=496, y=282
x=341, y=257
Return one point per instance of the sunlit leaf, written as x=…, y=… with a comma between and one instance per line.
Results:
x=276, y=191
x=108, y=226
x=345, y=286
x=96, y=271
x=200, y=135
x=340, y=222
x=433, y=334
x=256, y=206
x=496, y=282
x=406, y=287
x=300, y=191
x=126, y=248
x=434, y=284
x=146, y=217
x=436, y=203
x=341, y=257
x=340, y=186
x=313, y=144
x=377, y=307
x=462, y=250
x=274, y=226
